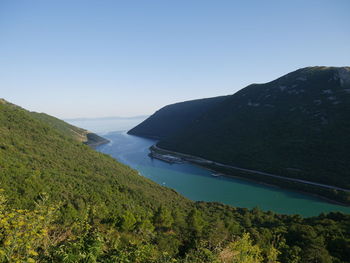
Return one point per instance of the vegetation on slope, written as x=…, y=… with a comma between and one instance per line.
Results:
x=77, y=133
x=37, y=158
x=172, y=118
x=64, y=202
x=295, y=126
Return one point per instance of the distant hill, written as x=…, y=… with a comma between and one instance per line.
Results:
x=297, y=126
x=172, y=118
x=107, y=118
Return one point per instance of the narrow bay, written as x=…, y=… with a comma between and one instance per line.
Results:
x=198, y=183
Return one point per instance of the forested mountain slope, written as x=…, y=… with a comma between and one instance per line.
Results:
x=37, y=157
x=297, y=125
x=69, y=203
x=79, y=134
x=172, y=118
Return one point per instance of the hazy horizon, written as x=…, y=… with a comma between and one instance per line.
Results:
x=93, y=59
x=106, y=118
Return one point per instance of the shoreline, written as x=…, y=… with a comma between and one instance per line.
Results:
x=94, y=140
x=203, y=163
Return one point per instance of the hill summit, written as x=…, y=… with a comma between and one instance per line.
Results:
x=296, y=126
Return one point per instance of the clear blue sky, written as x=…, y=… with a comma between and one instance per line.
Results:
x=124, y=58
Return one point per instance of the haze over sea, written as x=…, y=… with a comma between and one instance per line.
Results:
x=195, y=182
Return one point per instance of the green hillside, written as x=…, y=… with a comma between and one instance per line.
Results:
x=296, y=126
x=36, y=157
x=79, y=134
x=172, y=118
x=61, y=201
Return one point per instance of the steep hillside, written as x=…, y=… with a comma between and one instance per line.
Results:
x=172, y=118
x=69, y=203
x=37, y=156
x=297, y=125
x=79, y=134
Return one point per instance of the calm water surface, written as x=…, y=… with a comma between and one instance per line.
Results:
x=197, y=183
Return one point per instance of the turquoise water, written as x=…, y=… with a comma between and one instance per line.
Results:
x=197, y=183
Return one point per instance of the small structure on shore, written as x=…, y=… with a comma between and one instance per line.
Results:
x=165, y=157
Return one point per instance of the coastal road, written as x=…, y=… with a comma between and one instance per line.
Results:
x=200, y=160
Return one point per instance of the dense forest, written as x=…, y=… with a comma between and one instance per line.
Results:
x=61, y=201
x=172, y=118
x=296, y=126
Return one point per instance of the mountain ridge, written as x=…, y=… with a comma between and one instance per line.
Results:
x=294, y=126
x=81, y=135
